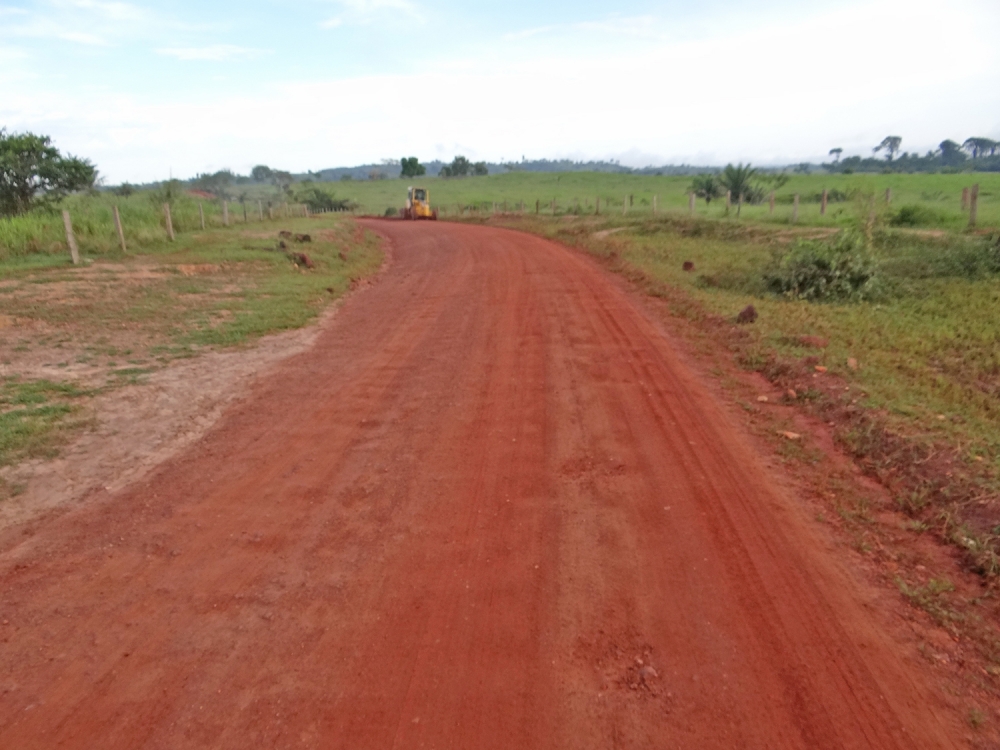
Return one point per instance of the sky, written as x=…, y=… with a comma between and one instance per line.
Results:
x=152, y=90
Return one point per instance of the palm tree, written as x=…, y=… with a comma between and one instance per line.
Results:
x=738, y=181
x=979, y=146
x=705, y=186
x=890, y=144
x=835, y=153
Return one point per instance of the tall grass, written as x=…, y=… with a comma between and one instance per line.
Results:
x=142, y=217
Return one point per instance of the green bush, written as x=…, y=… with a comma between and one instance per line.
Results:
x=916, y=216
x=819, y=271
x=909, y=257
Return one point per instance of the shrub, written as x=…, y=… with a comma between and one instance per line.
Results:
x=818, y=271
x=915, y=216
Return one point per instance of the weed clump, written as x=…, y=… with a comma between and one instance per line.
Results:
x=916, y=216
x=817, y=271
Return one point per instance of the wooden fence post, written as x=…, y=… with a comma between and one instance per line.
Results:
x=118, y=228
x=772, y=202
x=284, y=208
x=822, y=204
x=624, y=205
x=170, y=222
x=690, y=203
x=795, y=209
x=729, y=201
x=225, y=213
x=305, y=210
x=888, y=196
x=246, y=219
x=270, y=212
x=260, y=211
x=201, y=215
x=965, y=198
x=654, y=203
x=973, y=204
x=597, y=206
x=74, y=251
x=537, y=205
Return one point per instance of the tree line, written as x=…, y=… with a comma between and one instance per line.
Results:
x=978, y=154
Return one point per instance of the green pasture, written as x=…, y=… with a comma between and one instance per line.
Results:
x=577, y=192
x=933, y=202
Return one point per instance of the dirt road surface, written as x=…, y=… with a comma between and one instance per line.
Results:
x=490, y=508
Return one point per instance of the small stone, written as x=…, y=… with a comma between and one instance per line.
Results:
x=647, y=673
x=791, y=394
x=941, y=417
x=852, y=363
x=790, y=435
x=820, y=368
x=762, y=399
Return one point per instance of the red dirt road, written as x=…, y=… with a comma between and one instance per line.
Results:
x=459, y=521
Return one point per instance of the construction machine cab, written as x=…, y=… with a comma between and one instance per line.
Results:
x=418, y=204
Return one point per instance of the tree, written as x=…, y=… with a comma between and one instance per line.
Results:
x=739, y=181
x=411, y=167
x=835, y=153
x=459, y=167
x=261, y=173
x=34, y=173
x=217, y=184
x=951, y=153
x=281, y=179
x=980, y=146
x=706, y=186
x=890, y=144
x=479, y=169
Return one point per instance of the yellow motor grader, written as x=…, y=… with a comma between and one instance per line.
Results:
x=418, y=204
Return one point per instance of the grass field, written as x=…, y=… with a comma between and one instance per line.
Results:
x=938, y=194
x=936, y=198
x=143, y=223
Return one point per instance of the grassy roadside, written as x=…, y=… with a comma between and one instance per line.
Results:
x=70, y=333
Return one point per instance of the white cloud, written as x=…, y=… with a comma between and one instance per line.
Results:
x=86, y=22
x=211, y=52
x=112, y=11
x=369, y=11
